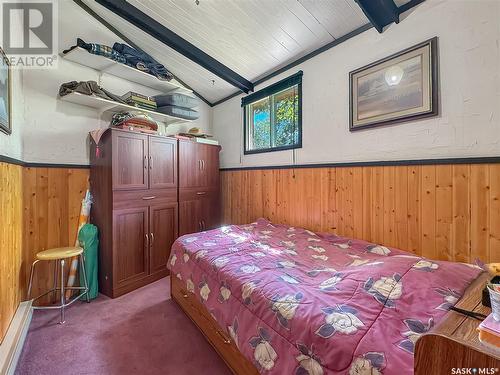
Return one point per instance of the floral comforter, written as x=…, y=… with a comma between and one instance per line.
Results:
x=298, y=302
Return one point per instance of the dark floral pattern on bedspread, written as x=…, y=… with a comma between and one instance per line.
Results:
x=299, y=302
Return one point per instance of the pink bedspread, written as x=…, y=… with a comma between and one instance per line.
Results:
x=298, y=302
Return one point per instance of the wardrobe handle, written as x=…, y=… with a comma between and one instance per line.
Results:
x=150, y=162
x=201, y=192
x=145, y=162
x=147, y=240
x=199, y=165
x=199, y=226
x=203, y=224
x=152, y=239
x=148, y=198
x=203, y=163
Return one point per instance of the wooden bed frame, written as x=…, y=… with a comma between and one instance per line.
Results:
x=453, y=343
x=215, y=335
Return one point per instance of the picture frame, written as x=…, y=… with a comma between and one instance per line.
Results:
x=399, y=88
x=5, y=94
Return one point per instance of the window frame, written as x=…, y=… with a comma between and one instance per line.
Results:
x=291, y=81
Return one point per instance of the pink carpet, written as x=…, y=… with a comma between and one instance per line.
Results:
x=143, y=332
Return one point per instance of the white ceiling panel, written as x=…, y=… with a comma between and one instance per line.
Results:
x=339, y=17
x=251, y=37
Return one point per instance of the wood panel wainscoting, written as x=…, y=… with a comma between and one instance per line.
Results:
x=52, y=200
x=444, y=212
x=40, y=208
x=10, y=243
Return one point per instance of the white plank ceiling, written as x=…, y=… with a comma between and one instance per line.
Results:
x=251, y=37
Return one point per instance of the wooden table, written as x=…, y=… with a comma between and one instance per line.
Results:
x=454, y=343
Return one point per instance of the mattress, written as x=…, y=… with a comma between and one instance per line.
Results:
x=176, y=99
x=299, y=302
x=185, y=113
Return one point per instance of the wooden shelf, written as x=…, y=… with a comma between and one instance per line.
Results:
x=103, y=64
x=110, y=106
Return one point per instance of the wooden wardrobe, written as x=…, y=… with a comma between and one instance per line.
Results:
x=199, y=187
x=136, y=182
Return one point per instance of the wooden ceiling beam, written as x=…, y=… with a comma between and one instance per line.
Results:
x=384, y=12
x=380, y=12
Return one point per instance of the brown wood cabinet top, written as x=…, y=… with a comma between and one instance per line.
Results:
x=454, y=342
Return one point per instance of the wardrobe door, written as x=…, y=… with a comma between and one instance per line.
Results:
x=211, y=165
x=130, y=160
x=203, y=153
x=190, y=216
x=163, y=232
x=210, y=212
x=189, y=164
x=130, y=245
x=162, y=163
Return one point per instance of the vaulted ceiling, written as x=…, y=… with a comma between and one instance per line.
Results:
x=251, y=37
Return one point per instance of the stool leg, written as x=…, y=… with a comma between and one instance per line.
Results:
x=54, y=294
x=62, y=292
x=31, y=278
x=86, y=284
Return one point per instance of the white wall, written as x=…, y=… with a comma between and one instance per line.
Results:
x=469, y=120
x=48, y=130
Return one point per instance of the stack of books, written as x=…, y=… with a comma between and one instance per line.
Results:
x=200, y=138
x=140, y=101
x=207, y=141
x=489, y=332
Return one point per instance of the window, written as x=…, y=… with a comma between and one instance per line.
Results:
x=272, y=117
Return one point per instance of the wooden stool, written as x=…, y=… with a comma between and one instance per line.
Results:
x=59, y=255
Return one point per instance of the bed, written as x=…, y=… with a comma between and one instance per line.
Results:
x=276, y=299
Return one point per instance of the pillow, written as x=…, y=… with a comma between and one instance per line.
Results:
x=176, y=99
x=185, y=113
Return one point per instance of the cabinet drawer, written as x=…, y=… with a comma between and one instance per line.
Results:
x=140, y=198
x=188, y=194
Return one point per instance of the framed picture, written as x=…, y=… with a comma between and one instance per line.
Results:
x=5, y=94
x=399, y=88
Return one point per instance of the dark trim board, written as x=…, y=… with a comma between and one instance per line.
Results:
x=9, y=160
x=48, y=165
x=285, y=83
x=302, y=59
x=405, y=7
x=468, y=160
x=443, y=161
